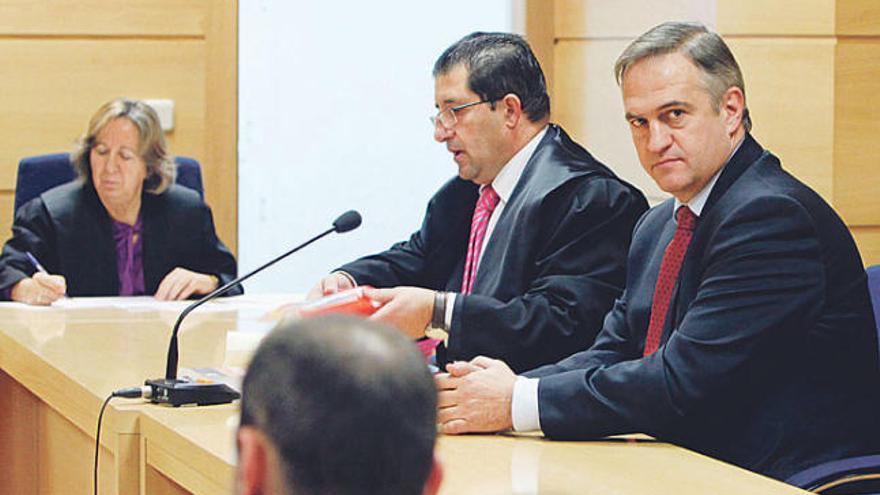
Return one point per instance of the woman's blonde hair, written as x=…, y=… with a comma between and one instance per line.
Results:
x=161, y=169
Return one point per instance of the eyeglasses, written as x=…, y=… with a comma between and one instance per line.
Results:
x=447, y=117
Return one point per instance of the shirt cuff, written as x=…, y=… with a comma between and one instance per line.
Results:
x=348, y=276
x=524, y=405
x=450, y=305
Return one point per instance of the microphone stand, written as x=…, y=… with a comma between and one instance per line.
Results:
x=177, y=392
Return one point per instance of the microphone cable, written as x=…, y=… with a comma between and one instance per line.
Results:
x=128, y=393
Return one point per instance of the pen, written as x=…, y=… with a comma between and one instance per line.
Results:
x=34, y=262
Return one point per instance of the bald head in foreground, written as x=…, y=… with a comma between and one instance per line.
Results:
x=339, y=405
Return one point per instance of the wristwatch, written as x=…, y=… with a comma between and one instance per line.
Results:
x=437, y=328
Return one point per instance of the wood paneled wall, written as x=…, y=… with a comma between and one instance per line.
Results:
x=62, y=59
x=857, y=122
x=812, y=73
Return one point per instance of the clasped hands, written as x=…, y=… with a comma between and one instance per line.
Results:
x=475, y=396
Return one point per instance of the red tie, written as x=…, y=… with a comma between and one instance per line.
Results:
x=482, y=212
x=669, y=268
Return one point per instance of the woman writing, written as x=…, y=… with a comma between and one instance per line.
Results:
x=124, y=228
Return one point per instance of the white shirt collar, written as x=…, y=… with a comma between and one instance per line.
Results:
x=697, y=203
x=510, y=173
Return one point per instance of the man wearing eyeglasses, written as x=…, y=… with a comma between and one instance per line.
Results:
x=522, y=254
x=745, y=332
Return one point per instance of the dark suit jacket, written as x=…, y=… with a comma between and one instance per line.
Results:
x=550, y=271
x=70, y=232
x=769, y=358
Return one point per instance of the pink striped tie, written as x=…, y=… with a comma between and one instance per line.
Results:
x=482, y=212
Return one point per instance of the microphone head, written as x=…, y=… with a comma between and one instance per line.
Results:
x=349, y=220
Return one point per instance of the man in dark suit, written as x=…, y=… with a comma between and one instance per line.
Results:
x=745, y=331
x=522, y=255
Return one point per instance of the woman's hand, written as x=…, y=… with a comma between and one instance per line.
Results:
x=42, y=289
x=181, y=283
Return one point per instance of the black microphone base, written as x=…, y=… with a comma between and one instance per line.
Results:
x=179, y=392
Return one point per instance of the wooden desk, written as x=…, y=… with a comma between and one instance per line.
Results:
x=58, y=364
x=57, y=367
x=197, y=452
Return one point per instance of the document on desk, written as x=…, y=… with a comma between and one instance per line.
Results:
x=149, y=303
x=132, y=303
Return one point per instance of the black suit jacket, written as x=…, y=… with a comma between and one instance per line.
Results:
x=769, y=355
x=550, y=271
x=70, y=232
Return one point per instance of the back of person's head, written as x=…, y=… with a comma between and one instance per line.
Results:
x=704, y=48
x=499, y=64
x=348, y=405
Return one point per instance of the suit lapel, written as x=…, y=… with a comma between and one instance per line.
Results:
x=154, y=238
x=691, y=275
x=748, y=153
x=666, y=235
x=95, y=229
x=488, y=275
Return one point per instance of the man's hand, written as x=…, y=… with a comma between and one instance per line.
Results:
x=406, y=308
x=331, y=284
x=42, y=289
x=475, y=396
x=181, y=283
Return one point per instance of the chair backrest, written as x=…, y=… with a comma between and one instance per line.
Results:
x=37, y=174
x=874, y=289
x=852, y=476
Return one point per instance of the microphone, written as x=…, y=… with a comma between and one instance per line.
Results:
x=174, y=392
x=349, y=220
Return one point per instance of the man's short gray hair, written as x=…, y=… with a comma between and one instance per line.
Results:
x=348, y=403
x=704, y=48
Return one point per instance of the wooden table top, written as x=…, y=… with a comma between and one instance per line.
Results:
x=72, y=357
